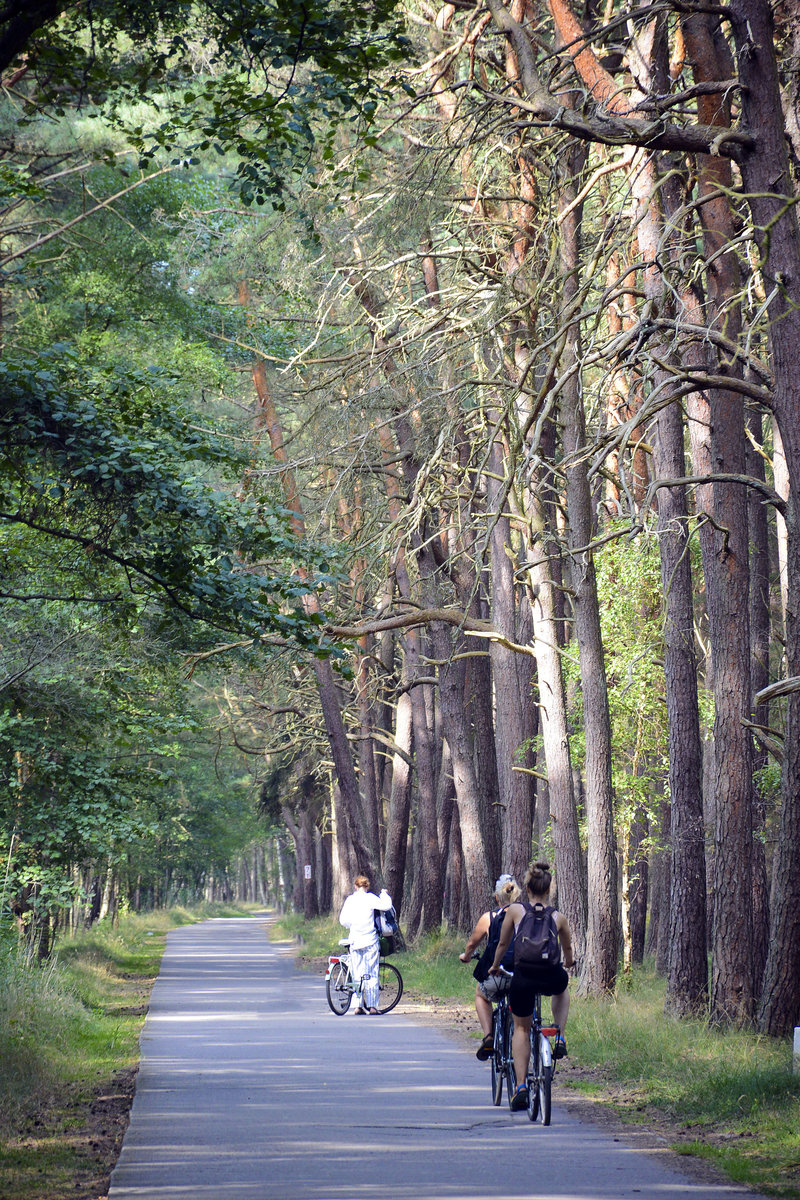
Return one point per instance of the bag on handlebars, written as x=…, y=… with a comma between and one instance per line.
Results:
x=536, y=943
x=389, y=935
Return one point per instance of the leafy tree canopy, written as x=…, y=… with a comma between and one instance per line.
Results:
x=253, y=78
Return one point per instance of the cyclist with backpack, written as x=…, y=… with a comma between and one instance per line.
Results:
x=488, y=987
x=540, y=934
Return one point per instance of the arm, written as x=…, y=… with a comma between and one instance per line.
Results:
x=478, y=934
x=565, y=938
x=506, y=934
x=384, y=901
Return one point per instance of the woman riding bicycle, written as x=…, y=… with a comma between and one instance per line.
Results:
x=506, y=891
x=529, y=981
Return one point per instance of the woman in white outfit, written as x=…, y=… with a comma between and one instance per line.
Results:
x=358, y=916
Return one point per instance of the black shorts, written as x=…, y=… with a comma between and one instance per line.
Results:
x=542, y=981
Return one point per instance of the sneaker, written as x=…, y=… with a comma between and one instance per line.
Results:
x=559, y=1048
x=520, y=1098
x=484, y=1051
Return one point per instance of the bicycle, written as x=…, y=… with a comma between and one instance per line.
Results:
x=340, y=984
x=502, y=1059
x=541, y=1066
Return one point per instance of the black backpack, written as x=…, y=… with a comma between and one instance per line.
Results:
x=536, y=943
x=481, y=971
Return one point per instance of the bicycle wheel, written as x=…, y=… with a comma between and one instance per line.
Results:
x=497, y=1056
x=390, y=987
x=545, y=1085
x=339, y=989
x=511, y=1076
x=534, y=1065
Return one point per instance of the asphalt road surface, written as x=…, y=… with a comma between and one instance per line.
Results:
x=250, y=1088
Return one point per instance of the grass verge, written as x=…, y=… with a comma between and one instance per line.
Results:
x=69, y=1047
x=729, y=1098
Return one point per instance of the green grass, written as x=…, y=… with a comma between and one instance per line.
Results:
x=69, y=1033
x=732, y=1094
x=728, y=1097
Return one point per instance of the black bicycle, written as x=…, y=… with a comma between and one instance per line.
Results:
x=340, y=984
x=502, y=1058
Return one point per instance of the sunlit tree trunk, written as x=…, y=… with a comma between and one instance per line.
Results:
x=422, y=736
x=512, y=697
x=551, y=700
x=400, y=803
x=759, y=678
x=602, y=937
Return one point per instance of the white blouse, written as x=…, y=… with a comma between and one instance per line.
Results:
x=357, y=915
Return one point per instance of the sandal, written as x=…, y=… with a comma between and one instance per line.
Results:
x=373, y=1012
x=484, y=1051
x=360, y=1012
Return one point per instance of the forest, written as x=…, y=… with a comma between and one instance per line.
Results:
x=399, y=450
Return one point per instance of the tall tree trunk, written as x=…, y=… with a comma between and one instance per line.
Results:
x=602, y=936
x=457, y=732
x=687, y=980
x=455, y=873
x=551, y=699
x=768, y=184
x=687, y=983
x=727, y=574
x=638, y=887
x=512, y=698
x=400, y=803
x=423, y=741
x=759, y=677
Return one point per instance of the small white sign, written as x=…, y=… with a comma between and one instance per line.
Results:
x=307, y=871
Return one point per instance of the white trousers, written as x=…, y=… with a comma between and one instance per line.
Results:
x=364, y=966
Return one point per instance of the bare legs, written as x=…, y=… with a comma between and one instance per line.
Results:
x=560, y=1005
x=483, y=1008
x=521, y=1047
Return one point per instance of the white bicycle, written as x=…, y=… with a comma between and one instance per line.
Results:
x=340, y=984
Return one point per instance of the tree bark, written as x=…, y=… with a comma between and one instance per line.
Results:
x=400, y=804
x=760, y=678
x=512, y=697
x=767, y=181
x=687, y=970
x=727, y=577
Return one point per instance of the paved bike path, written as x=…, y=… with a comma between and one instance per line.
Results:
x=250, y=1088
